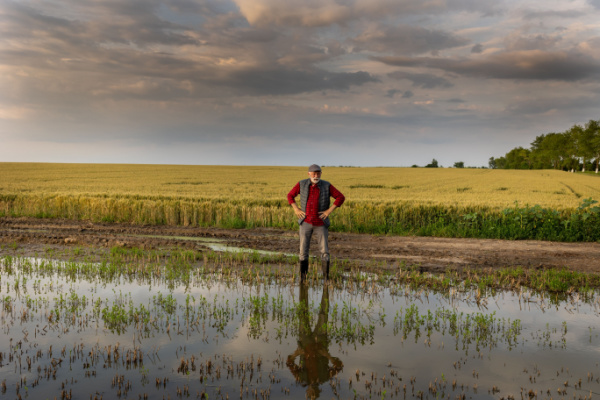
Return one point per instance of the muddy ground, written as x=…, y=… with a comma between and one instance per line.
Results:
x=33, y=236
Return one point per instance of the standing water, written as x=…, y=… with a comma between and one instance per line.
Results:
x=101, y=330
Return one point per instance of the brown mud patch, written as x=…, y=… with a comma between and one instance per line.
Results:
x=33, y=236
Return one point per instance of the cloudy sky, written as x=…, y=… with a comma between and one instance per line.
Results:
x=292, y=82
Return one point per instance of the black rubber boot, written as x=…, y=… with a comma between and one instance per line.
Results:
x=303, y=269
x=325, y=269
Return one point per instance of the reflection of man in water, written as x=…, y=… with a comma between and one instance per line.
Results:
x=313, y=367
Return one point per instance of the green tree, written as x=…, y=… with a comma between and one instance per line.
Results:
x=550, y=151
x=500, y=162
x=433, y=164
x=592, y=129
x=539, y=156
x=459, y=164
x=578, y=146
x=558, y=146
x=573, y=148
x=585, y=139
x=518, y=158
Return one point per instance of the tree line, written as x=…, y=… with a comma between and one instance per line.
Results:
x=576, y=149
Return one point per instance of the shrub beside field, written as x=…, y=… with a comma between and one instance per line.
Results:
x=546, y=205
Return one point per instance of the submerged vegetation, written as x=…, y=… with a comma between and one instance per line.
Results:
x=544, y=205
x=178, y=266
x=177, y=323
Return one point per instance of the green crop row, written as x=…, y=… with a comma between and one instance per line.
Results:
x=397, y=218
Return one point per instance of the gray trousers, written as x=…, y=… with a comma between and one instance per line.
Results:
x=321, y=234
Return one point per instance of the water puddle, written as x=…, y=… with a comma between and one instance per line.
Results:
x=215, y=244
x=190, y=238
x=74, y=330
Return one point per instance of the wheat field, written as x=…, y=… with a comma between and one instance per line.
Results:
x=442, y=186
x=540, y=204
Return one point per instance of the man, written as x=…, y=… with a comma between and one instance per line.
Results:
x=313, y=215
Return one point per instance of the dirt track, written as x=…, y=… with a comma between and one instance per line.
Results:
x=432, y=254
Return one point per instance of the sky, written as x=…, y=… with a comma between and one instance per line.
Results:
x=292, y=82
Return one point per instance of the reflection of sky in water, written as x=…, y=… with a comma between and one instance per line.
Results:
x=423, y=358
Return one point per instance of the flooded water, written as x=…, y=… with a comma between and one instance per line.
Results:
x=214, y=244
x=89, y=331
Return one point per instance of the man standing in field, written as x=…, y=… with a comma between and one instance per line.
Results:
x=313, y=215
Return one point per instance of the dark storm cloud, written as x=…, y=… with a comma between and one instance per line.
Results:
x=164, y=77
x=478, y=48
x=17, y=20
x=595, y=3
x=131, y=65
x=537, y=106
x=266, y=80
x=91, y=45
x=531, y=42
x=198, y=10
x=247, y=82
x=520, y=65
x=147, y=90
x=112, y=43
x=305, y=55
x=282, y=82
x=529, y=15
x=118, y=22
x=458, y=110
x=407, y=94
x=425, y=81
x=407, y=39
x=254, y=35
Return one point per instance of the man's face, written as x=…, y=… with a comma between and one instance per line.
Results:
x=315, y=177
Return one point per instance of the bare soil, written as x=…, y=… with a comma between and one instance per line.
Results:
x=33, y=236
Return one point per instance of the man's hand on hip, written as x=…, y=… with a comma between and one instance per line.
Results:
x=298, y=211
x=324, y=214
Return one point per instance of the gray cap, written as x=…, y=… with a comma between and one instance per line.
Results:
x=314, y=168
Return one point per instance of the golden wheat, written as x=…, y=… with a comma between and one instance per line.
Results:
x=379, y=200
x=265, y=185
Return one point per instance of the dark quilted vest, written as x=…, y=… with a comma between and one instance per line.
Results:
x=324, y=197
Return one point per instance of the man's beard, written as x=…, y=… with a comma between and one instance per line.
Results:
x=315, y=180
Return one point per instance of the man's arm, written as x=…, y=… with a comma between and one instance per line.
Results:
x=325, y=214
x=339, y=200
x=292, y=200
